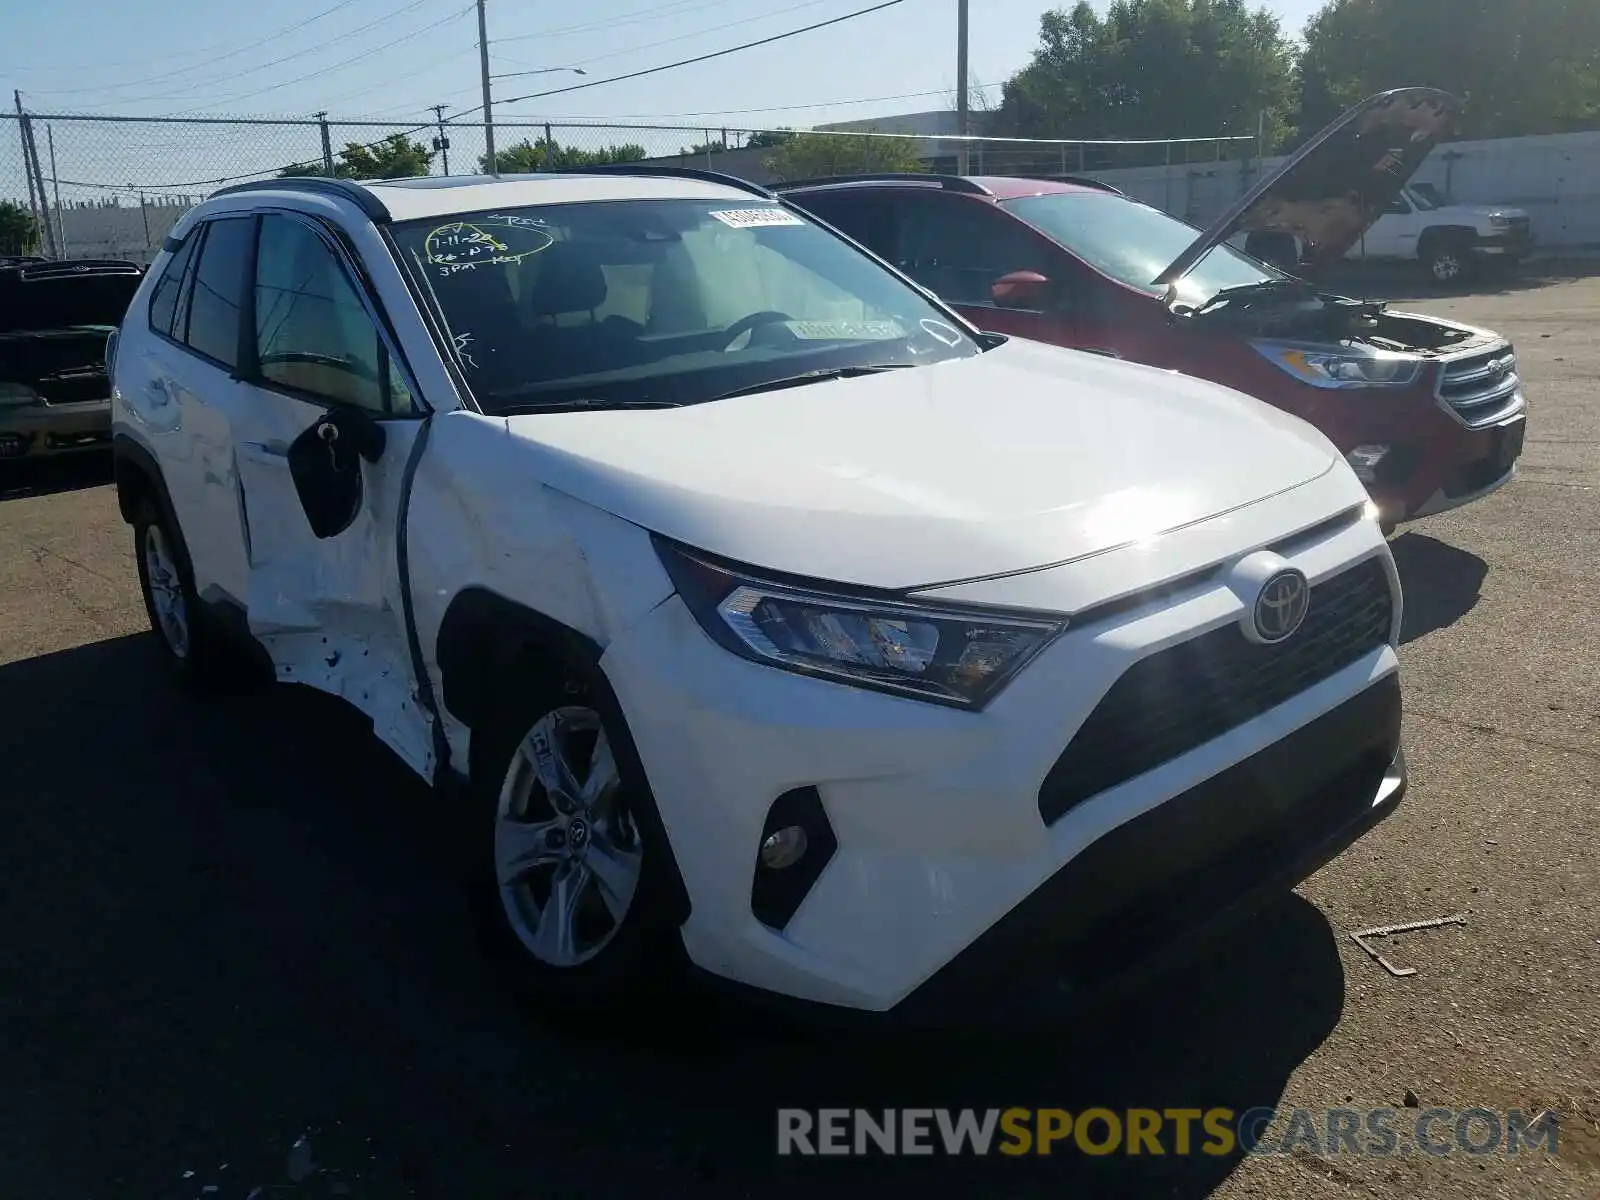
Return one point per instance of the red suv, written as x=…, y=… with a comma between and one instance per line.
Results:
x=1430, y=413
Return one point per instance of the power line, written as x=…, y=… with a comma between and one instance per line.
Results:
x=740, y=112
x=178, y=53
x=660, y=12
x=684, y=37
x=201, y=85
x=700, y=58
x=460, y=12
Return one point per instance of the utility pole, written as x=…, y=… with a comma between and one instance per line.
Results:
x=441, y=143
x=38, y=181
x=55, y=185
x=327, y=144
x=963, y=110
x=27, y=165
x=488, y=102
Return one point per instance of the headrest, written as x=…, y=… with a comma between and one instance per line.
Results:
x=569, y=281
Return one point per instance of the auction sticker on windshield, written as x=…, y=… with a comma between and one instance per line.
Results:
x=756, y=218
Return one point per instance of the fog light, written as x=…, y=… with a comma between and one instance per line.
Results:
x=1364, y=462
x=784, y=848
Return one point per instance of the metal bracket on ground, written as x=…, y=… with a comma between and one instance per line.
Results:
x=1359, y=938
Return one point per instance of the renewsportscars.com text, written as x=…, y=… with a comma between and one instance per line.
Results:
x=1218, y=1132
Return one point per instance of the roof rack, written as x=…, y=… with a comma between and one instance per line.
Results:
x=950, y=183
x=344, y=189
x=671, y=172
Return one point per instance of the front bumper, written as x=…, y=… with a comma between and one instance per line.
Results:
x=46, y=430
x=1504, y=246
x=1435, y=462
x=938, y=847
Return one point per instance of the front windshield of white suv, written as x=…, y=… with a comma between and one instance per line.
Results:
x=662, y=301
x=1133, y=243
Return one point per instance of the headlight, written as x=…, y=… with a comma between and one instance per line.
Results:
x=1342, y=366
x=935, y=654
x=1499, y=222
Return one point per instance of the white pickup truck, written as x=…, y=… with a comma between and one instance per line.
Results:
x=1447, y=238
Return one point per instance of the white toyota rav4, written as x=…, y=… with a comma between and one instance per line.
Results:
x=770, y=618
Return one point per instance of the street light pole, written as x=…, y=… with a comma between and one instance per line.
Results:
x=488, y=102
x=963, y=111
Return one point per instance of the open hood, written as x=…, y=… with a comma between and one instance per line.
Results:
x=36, y=297
x=1335, y=186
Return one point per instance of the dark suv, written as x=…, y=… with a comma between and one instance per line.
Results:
x=1429, y=413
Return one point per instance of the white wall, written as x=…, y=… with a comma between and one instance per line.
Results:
x=1555, y=177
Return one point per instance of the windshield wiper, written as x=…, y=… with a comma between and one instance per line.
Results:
x=1248, y=291
x=585, y=404
x=819, y=376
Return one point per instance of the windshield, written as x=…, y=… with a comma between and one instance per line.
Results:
x=661, y=301
x=1422, y=199
x=1134, y=243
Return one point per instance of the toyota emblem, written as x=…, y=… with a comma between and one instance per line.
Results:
x=1281, y=605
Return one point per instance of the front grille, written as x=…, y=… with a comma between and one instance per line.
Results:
x=1481, y=387
x=1521, y=227
x=1180, y=698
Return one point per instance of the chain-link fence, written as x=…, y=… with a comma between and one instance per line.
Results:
x=113, y=186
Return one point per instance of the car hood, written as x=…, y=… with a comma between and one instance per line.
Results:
x=66, y=295
x=1334, y=187
x=1024, y=456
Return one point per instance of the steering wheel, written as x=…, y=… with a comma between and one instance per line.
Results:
x=753, y=322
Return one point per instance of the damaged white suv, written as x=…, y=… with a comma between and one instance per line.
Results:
x=769, y=618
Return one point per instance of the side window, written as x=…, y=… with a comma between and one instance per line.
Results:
x=313, y=334
x=218, y=289
x=867, y=221
x=164, y=296
x=959, y=248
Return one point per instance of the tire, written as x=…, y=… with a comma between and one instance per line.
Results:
x=530, y=847
x=1448, y=261
x=193, y=648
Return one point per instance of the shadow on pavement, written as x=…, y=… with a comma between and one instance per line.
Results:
x=226, y=922
x=47, y=476
x=1440, y=582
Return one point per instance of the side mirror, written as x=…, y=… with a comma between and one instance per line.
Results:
x=1020, y=289
x=325, y=464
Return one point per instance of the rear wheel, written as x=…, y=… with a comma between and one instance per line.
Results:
x=195, y=649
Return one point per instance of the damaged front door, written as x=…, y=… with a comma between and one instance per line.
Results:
x=330, y=425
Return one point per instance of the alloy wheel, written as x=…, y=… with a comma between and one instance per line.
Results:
x=166, y=591
x=568, y=854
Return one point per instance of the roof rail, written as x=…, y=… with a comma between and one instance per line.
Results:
x=671, y=172
x=950, y=183
x=344, y=189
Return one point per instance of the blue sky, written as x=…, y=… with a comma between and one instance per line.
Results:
x=201, y=57
x=390, y=59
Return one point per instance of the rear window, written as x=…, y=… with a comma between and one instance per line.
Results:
x=218, y=293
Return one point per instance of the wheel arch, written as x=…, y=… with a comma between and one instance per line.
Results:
x=1434, y=234
x=483, y=634
x=138, y=478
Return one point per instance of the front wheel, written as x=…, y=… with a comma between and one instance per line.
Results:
x=571, y=864
x=193, y=648
x=1448, y=262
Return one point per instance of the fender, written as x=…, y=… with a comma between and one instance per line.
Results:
x=138, y=474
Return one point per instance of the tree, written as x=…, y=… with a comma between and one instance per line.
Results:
x=1153, y=69
x=770, y=137
x=1521, y=68
x=527, y=157
x=395, y=157
x=815, y=155
x=19, y=231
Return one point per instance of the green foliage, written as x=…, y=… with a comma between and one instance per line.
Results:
x=395, y=157
x=19, y=231
x=814, y=155
x=1521, y=68
x=527, y=157
x=771, y=137
x=1153, y=69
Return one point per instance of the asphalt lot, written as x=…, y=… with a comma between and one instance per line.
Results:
x=225, y=923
